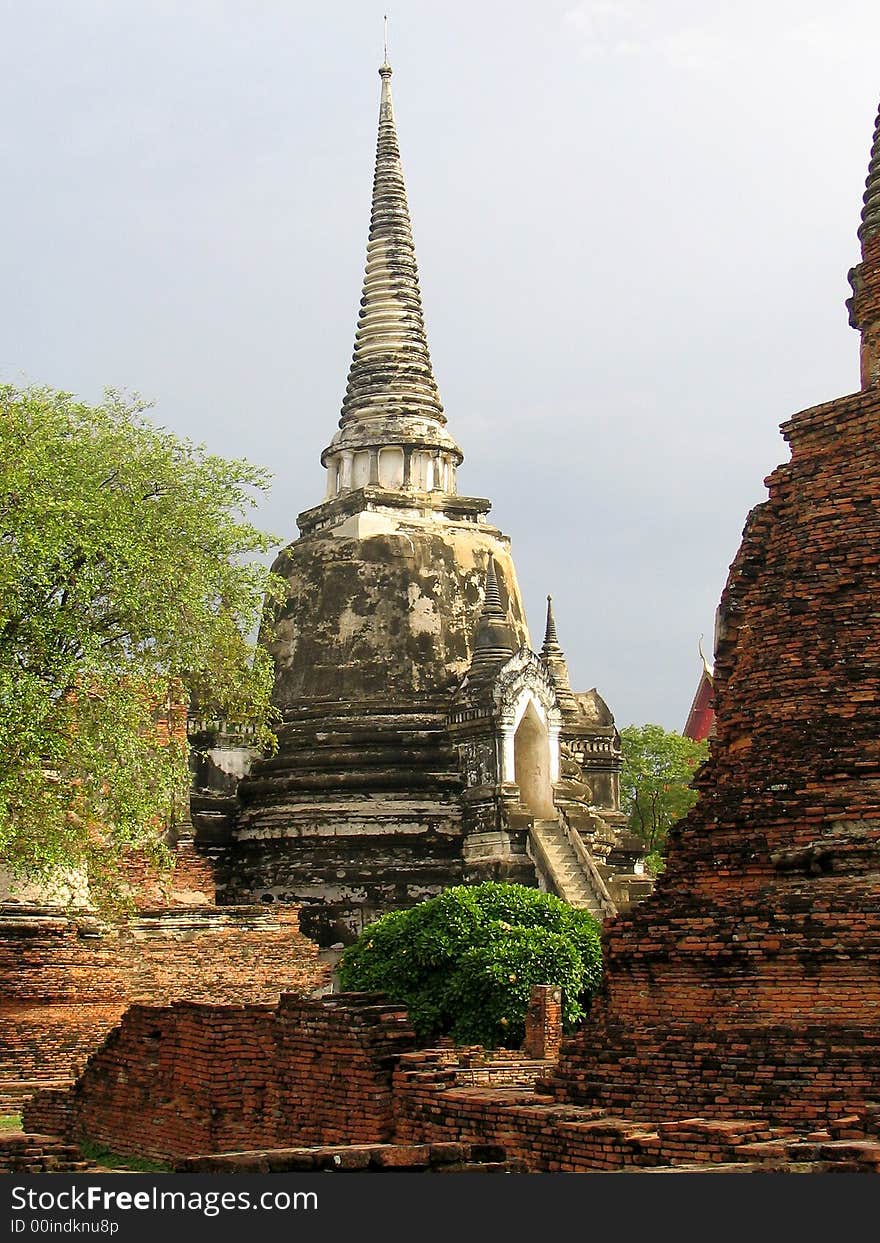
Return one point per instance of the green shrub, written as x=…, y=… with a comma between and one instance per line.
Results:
x=463, y=963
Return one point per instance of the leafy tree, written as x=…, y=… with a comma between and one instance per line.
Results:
x=463, y=963
x=655, y=789
x=128, y=585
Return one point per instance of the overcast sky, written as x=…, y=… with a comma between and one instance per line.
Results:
x=633, y=220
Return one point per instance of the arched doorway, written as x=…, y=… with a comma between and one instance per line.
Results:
x=531, y=763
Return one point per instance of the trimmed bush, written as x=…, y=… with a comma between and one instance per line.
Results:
x=463, y=963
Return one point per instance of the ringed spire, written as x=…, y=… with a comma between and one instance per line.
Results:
x=871, y=200
x=864, y=305
x=557, y=666
x=391, y=373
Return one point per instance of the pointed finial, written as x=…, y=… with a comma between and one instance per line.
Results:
x=494, y=642
x=706, y=668
x=554, y=659
x=391, y=397
x=551, y=639
x=384, y=68
x=391, y=374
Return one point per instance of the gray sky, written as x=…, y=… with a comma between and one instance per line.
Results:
x=633, y=221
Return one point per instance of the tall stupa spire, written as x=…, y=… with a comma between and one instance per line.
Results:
x=871, y=209
x=392, y=427
x=864, y=305
x=391, y=371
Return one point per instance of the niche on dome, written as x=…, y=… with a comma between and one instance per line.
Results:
x=360, y=469
x=531, y=762
x=391, y=468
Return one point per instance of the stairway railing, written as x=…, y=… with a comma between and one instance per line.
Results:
x=588, y=863
x=545, y=864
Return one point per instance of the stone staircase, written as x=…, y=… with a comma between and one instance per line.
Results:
x=567, y=872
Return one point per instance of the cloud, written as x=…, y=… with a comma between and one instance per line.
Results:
x=699, y=38
x=830, y=40
x=609, y=27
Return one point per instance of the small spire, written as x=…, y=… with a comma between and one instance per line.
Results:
x=557, y=666
x=871, y=200
x=551, y=639
x=495, y=641
x=385, y=64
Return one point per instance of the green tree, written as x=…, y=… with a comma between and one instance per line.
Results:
x=129, y=584
x=655, y=789
x=463, y=963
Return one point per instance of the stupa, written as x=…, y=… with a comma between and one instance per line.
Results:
x=422, y=742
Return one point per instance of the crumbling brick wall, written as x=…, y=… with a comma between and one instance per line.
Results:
x=751, y=980
x=66, y=980
x=189, y=879
x=186, y=1079
x=544, y=1022
x=542, y=1135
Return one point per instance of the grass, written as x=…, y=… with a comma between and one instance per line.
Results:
x=98, y=1153
x=114, y=1161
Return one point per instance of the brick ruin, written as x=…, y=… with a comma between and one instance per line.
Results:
x=189, y=1078
x=67, y=977
x=336, y=1083
x=422, y=742
x=757, y=962
x=749, y=986
x=177, y=1082
x=738, y=1023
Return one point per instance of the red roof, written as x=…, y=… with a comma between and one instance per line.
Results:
x=701, y=717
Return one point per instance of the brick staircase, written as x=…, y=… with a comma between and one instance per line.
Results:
x=39, y=1154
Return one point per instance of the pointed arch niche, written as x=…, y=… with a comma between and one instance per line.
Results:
x=530, y=748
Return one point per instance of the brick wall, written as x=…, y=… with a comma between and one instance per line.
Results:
x=432, y=1106
x=274, y=1084
x=66, y=980
x=177, y=1081
x=542, y=1135
x=189, y=881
